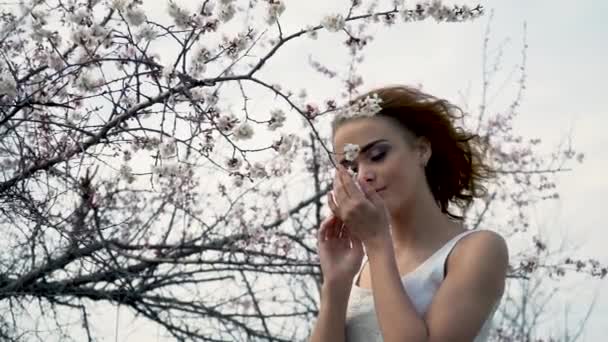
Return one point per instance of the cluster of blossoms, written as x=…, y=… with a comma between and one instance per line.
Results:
x=87, y=82
x=226, y=122
x=277, y=119
x=135, y=16
x=351, y=151
x=180, y=16
x=333, y=23
x=429, y=9
x=168, y=148
x=441, y=12
x=243, y=132
x=8, y=86
x=274, y=10
x=366, y=107
x=285, y=144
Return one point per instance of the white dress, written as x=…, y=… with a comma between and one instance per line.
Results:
x=420, y=284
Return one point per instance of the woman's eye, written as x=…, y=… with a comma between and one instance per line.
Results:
x=378, y=156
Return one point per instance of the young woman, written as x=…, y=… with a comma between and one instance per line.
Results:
x=398, y=264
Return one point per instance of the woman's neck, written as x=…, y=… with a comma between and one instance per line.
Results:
x=422, y=225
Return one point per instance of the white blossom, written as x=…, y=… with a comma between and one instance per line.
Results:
x=238, y=180
x=126, y=173
x=366, y=107
x=282, y=244
x=86, y=82
x=240, y=42
x=40, y=16
x=285, y=144
x=8, y=86
x=80, y=16
x=227, y=12
x=211, y=98
x=274, y=11
x=75, y=116
x=55, y=62
x=208, y=9
x=168, y=148
x=234, y=163
x=179, y=15
x=311, y=32
x=280, y=166
x=441, y=12
x=197, y=94
x=243, y=132
x=166, y=170
x=277, y=119
x=351, y=151
x=258, y=171
x=136, y=16
x=199, y=58
x=127, y=155
x=118, y=5
x=147, y=33
x=334, y=23
x=81, y=35
x=168, y=72
x=226, y=122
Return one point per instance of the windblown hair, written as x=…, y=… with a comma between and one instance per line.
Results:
x=455, y=172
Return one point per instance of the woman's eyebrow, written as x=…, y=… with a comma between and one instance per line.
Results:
x=371, y=144
x=364, y=149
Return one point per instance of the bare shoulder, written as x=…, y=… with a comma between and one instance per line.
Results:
x=481, y=254
x=473, y=286
x=482, y=243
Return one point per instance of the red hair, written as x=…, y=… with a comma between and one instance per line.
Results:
x=455, y=172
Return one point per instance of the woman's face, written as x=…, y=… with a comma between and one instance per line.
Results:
x=387, y=161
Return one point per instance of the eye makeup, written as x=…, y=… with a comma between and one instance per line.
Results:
x=368, y=147
x=378, y=153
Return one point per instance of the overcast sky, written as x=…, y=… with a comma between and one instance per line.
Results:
x=566, y=91
x=565, y=95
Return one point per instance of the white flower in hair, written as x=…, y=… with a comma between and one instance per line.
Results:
x=365, y=107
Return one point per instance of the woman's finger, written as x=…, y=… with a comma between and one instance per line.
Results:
x=324, y=229
x=340, y=194
x=348, y=183
x=331, y=202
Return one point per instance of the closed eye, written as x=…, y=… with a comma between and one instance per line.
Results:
x=378, y=156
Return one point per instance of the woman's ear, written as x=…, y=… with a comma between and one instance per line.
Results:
x=424, y=151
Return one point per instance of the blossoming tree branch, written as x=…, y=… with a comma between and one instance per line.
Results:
x=139, y=174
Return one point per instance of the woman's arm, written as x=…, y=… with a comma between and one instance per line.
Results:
x=331, y=322
x=397, y=318
x=475, y=282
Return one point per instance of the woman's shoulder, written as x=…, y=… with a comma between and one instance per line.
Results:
x=485, y=250
x=481, y=242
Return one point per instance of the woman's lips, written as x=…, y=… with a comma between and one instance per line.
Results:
x=381, y=189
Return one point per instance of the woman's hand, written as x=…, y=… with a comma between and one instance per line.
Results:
x=360, y=208
x=341, y=253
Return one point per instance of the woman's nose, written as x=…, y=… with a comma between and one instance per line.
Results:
x=366, y=175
